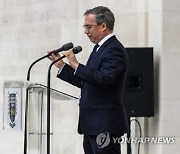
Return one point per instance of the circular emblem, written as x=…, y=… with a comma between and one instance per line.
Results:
x=103, y=140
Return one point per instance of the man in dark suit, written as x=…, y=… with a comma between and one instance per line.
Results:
x=102, y=115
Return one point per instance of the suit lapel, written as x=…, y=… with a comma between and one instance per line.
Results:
x=95, y=54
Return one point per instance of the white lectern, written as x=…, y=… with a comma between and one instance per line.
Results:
x=25, y=101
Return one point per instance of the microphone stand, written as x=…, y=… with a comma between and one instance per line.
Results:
x=26, y=105
x=64, y=47
x=28, y=75
x=48, y=103
x=25, y=123
x=75, y=51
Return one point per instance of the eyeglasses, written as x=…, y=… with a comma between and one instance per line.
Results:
x=89, y=27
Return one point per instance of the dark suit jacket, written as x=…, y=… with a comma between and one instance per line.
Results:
x=101, y=82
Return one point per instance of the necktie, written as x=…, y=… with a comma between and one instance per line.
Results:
x=92, y=54
x=94, y=51
x=95, y=47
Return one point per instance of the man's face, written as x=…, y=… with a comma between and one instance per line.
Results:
x=92, y=30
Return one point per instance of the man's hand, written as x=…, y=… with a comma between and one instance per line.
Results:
x=71, y=58
x=59, y=64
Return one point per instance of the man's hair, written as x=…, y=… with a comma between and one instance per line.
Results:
x=103, y=15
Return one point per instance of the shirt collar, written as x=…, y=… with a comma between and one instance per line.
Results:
x=105, y=39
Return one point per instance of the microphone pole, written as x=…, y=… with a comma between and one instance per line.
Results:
x=75, y=51
x=64, y=47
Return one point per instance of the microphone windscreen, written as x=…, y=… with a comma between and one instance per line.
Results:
x=67, y=46
x=77, y=49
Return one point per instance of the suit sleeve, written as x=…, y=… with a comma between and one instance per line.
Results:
x=67, y=74
x=111, y=65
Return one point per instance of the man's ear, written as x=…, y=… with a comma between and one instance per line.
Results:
x=104, y=26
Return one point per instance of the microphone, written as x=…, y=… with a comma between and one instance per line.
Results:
x=75, y=50
x=64, y=47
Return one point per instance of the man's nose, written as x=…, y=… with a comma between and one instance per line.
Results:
x=86, y=31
